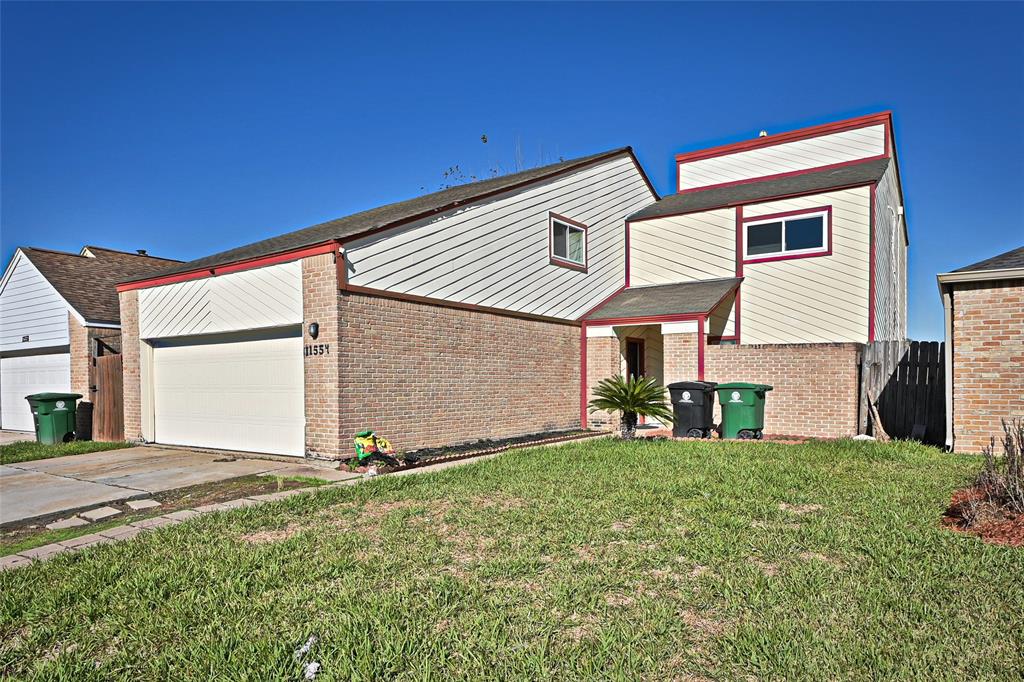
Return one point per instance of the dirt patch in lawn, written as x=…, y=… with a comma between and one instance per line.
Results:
x=972, y=510
x=799, y=508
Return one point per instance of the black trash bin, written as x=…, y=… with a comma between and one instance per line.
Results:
x=693, y=404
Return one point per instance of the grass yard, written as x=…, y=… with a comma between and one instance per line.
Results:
x=28, y=450
x=643, y=561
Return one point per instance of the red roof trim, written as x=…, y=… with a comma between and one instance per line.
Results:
x=884, y=117
x=238, y=266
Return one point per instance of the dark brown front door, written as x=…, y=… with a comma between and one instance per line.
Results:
x=634, y=358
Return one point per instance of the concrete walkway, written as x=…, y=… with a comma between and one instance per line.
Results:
x=43, y=487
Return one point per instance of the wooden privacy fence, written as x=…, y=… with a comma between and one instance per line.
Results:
x=107, y=415
x=907, y=382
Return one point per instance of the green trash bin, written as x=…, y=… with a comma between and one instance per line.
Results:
x=54, y=416
x=742, y=409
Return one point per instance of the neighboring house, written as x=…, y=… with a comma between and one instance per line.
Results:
x=490, y=309
x=447, y=318
x=984, y=310
x=53, y=307
x=774, y=262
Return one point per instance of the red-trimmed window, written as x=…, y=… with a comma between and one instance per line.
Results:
x=567, y=242
x=793, y=234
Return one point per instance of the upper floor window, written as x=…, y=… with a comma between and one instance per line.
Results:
x=567, y=242
x=794, y=234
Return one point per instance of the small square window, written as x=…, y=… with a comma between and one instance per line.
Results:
x=568, y=243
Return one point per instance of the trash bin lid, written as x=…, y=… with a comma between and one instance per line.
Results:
x=692, y=385
x=53, y=396
x=743, y=385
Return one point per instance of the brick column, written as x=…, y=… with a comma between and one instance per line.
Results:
x=322, y=389
x=680, y=357
x=79, y=341
x=604, y=360
x=132, y=378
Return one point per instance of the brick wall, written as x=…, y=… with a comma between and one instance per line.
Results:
x=815, y=384
x=425, y=376
x=988, y=360
x=604, y=360
x=132, y=387
x=323, y=393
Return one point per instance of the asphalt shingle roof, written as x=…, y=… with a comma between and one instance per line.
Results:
x=383, y=216
x=88, y=284
x=686, y=298
x=703, y=200
x=1004, y=261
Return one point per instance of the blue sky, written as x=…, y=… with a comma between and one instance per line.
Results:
x=189, y=128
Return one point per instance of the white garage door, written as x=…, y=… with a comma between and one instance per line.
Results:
x=231, y=392
x=24, y=376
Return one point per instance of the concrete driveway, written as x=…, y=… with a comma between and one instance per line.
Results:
x=7, y=437
x=63, y=484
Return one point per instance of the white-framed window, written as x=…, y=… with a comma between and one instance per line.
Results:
x=795, y=234
x=567, y=241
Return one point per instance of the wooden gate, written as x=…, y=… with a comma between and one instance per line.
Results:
x=906, y=380
x=108, y=416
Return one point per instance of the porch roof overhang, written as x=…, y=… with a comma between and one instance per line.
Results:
x=664, y=301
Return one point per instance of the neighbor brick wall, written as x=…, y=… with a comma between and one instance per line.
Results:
x=604, y=360
x=425, y=376
x=323, y=393
x=132, y=388
x=815, y=385
x=988, y=360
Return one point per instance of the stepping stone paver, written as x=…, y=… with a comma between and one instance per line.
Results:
x=70, y=522
x=13, y=561
x=44, y=552
x=155, y=522
x=100, y=514
x=182, y=514
x=84, y=541
x=120, y=532
x=143, y=504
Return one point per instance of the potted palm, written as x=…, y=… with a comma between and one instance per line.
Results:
x=632, y=398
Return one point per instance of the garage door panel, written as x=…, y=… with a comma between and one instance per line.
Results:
x=233, y=394
x=25, y=375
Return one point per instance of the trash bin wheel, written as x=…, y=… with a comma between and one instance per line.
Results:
x=760, y=435
x=746, y=434
x=695, y=433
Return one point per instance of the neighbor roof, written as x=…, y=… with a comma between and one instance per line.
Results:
x=88, y=283
x=719, y=197
x=1005, y=261
x=393, y=214
x=686, y=298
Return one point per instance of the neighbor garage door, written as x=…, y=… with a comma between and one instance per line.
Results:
x=231, y=392
x=24, y=376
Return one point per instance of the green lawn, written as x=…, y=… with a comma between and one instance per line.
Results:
x=643, y=561
x=28, y=450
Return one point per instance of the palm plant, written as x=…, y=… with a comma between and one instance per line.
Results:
x=631, y=398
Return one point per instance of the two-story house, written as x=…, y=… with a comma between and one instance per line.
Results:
x=774, y=261
x=488, y=310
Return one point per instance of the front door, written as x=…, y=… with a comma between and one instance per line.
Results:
x=634, y=358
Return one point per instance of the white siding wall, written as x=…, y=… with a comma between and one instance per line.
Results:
x=890, y=262
x=30, y=306
x=683, y=248
x=251, y=299
x=495, y=253
x=848, y=145
x=811, y=300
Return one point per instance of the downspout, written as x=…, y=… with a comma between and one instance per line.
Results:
x=947, y=308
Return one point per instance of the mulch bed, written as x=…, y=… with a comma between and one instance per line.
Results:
x=971, y=511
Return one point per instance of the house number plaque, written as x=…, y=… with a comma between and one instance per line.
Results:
x=317, y=349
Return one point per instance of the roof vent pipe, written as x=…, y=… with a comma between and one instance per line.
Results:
x=763, y=133
x=141, y=252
